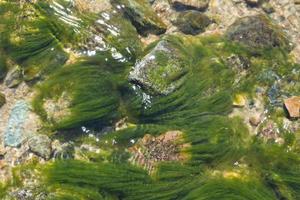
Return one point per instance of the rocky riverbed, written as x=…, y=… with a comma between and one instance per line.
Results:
x=149, y=99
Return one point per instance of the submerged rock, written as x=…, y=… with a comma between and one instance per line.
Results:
x=59, y=108
x=13, y=134
x=151, y=150
x=142, y=16
x=119, y=34
x=190, y=4
x=274, y=94
x=293, y=106
x=257, y=32
x=160, y=71
x=40, y=145
x=192, y=22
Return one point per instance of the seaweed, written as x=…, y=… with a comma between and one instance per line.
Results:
x=32, y=44
x=222, y=160
x=90, y=91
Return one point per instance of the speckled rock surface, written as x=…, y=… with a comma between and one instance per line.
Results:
x=13, y=135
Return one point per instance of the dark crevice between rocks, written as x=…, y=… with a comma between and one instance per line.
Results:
x=182, y=7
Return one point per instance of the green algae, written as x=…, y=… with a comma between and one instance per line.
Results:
x=223, y=161
x=33, y=44
x=198, y=108
x=231, y=189
x=120, y=34
x=93, y=93
x=3, y=189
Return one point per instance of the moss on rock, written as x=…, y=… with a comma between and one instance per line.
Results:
x=192, y=22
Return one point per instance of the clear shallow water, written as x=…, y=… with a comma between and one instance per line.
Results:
x=221, y=159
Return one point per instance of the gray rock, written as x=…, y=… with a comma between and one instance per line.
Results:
x=23, y=194
x=257, y=32
x=274, y=93
x=13, y=133
x=161, y=70
x=40, y=145
x=192, y=22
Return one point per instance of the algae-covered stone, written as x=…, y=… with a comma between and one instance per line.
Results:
x=192, y=22
x=142, y=16
x=190, y=4
x=160, y=71
x=2, y=100
x=41, y=145
x=119, y=34
x=257, y=32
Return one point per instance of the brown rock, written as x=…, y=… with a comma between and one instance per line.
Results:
x=293, y=106
x=150, y=150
